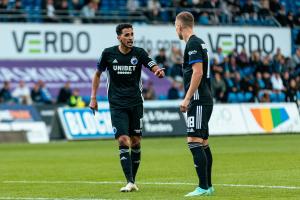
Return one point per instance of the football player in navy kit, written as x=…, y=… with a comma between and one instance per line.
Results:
x=198, y=101
x=123, y=64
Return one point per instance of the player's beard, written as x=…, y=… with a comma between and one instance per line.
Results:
x=126, y=45
x=180, y=36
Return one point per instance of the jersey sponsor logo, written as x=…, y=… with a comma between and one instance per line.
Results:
x=134, y=60
x=192, y=52
x=115, y=61
x=151, y=63
x=124, y=69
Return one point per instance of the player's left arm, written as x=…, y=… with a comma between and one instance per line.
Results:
x=195, y=82
x=196, y=58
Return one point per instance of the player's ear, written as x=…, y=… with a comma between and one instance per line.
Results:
x=118, y=37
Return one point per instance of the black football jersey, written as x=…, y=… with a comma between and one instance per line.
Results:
x=196, y=51
x=124, y=83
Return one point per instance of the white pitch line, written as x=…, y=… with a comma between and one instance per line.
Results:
x=151, y=183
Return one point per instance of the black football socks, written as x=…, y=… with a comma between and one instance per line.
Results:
x=200, y=163
x=126, y=163
x=209, y=163
x=135, y=159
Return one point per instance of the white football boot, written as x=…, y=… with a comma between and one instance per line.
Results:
x=130, y=187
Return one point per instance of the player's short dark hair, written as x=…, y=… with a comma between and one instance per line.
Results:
x=120, y=27
x=186, y=18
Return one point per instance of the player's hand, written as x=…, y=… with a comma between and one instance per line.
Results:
x=93, y=105
x=184, y=105
x=160, y=73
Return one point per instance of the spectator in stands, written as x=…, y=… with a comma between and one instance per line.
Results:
x=291, y=92
x=36, y=94
x=153, y=7
x=88, y=12
x=248, y=11
x=267, y=81
x=275, y=6
x=265, y=98
x=75, y=7
x=218, y=87
x=296, y=58
x=176, y=60
x=76, y=100
x=3, y=4
x=254, y=60
x=204, y=19
x=149, y=92
x=286, y=79
x=64, y=94
x=225, y=65
x=278, y=61
x=290, y=20
x=281, y=16
x=133, y=5
x=264, y=11
x=278, y=88
x=63, y=12
x=258, y=86
x=233, y=67
x=265, y=66
x=5, y=94
x=219, y=56
x=50, y=9
x=162, y=60
x=215, y=67
x=45, y=94
x=173, y=92
x=242, y=59
x=247, y=88
x=22, y=94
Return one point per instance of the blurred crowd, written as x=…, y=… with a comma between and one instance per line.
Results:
x=206, y=12
x=239, y=77
x=40, y=94
x=235, y=77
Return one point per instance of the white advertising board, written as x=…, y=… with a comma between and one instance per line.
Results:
x=73, y=41
x=271, y=118
x=227, y=119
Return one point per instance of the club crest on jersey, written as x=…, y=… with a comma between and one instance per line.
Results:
x=134, y=60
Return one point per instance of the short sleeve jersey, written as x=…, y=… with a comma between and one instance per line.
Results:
x=195, y=52
x=124, y=83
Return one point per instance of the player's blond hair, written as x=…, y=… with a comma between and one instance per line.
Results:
x=186, y=18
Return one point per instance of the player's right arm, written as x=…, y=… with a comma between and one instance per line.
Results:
x=101, y=67
x=95, y=85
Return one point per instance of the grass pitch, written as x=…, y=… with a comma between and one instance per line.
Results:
x=245, y=167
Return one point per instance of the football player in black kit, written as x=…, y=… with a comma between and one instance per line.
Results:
x=123, y=64
x=198, y=101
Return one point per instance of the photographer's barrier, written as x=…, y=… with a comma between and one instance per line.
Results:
x=20, y=118
x=163, y=118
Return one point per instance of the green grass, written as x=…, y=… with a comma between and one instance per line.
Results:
x=270, y=160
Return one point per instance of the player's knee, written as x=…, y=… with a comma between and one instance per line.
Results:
x=124, y=140
x=135, y=142
x=205, y=142
x=195, y=139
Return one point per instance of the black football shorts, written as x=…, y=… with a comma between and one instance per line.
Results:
x=127, y=121
x=197, y=121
